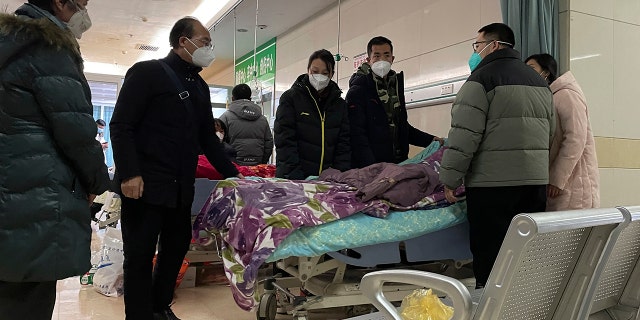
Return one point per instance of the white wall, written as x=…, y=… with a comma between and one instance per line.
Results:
x=603, y=45
x=431, y=39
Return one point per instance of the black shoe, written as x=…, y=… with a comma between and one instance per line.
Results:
x=165, y=314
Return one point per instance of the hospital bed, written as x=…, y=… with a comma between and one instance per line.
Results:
x=325, y=279
x=580, y=264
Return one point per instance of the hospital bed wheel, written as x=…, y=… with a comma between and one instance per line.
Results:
x=267, y=307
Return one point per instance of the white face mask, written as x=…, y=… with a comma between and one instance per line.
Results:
x=79, y=23
x=220, y=135
x=203, y=56
x=318, y=81
x=381, y=68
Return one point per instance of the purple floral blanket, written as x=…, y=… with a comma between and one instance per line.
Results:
x=254, y=216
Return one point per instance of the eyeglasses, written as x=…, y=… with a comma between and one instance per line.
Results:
x=208, y=44
x=476, y=44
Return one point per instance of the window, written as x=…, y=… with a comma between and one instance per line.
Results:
x=103, y=98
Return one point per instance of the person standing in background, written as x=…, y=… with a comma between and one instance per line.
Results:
x=223, y=134
x=502, y=121
x=51, y=167
x=573, y=164
x=100, y=137
x=162, y=119
x=312, y=125
x=248, y=130
x=379, y=126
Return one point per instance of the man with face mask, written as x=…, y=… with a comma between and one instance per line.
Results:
x=502, y=122
x=80, y=22
x=380, y=131
x=51, y=166
x=162, y=119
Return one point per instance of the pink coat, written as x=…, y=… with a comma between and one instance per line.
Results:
x=573, y=162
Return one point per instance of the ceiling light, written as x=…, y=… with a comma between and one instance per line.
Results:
x=209, y=9
x=105, y=68
x=585, y=57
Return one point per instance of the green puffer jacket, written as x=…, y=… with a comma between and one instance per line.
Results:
x=49, y=158
x=502, y=122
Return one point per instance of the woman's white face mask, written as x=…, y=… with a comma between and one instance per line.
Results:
x=318, y=81
x=79, y=23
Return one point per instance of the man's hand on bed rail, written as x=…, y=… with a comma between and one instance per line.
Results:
x=450, y=195
x=132, y=187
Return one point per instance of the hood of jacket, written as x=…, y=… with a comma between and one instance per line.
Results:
x=566, y=81
x=32, y=25
x=245, y=109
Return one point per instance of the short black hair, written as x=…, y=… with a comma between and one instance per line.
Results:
x=241, y=91
x=500, y=32
x=222, y=126
x=45, y=4
x=326, y=56
x=101, y=122
x=377, y=41
x=547, y=63
x=182, y=28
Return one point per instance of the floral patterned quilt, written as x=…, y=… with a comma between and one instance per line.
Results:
x=255, y=215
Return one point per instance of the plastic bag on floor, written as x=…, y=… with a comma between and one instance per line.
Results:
x=109, y=280
x=423, y=304
x=111, y=250
x=109, y=276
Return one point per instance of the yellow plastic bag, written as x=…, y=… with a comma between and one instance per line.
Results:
x=423, y=304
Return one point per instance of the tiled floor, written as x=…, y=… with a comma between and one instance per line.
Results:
x=211, y=302
x=77, y=302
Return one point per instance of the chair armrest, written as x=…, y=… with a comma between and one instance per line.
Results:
x=372, y=287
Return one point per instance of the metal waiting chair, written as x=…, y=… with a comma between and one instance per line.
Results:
x=615, y=294
x=544, y=268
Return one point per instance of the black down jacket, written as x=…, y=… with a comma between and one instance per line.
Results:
x=311, y=131
x=371, y=138
x=49, y=158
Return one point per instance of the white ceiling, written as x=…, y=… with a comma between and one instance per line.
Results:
x=119, y=26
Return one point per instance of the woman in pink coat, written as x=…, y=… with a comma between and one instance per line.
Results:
x=573, y=171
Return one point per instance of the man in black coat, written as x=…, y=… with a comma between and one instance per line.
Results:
x=380, y=131
x=161, y=121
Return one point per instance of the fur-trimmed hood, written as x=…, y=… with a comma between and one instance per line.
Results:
x=32, y=25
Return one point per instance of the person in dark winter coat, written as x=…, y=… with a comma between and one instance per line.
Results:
x=51, y=166
x=223, y=134
x=312, y=125
x=380, y=131
x=157, y=131
x=248, y=130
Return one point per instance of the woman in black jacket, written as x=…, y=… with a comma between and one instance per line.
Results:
x=51, y=166
x=312, y=124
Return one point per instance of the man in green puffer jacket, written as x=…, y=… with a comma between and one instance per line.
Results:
x=501, y=124
x=51, y=166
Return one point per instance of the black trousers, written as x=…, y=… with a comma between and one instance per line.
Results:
x=143, y=226
x=490, y=211
x=27, y=300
